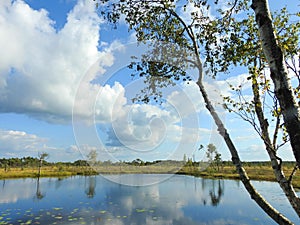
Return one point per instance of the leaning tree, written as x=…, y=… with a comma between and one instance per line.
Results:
x=230, y=37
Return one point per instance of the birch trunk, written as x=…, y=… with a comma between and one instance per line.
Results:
x=285, y=185
x=273, y=213
x=264, y=205
x=279, y=74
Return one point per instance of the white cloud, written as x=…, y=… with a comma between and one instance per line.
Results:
x=186, y=101
x=14, y=143
x=253, y=152
x=222, y=87
x=96, y=103
x=149, y=131
x=42, y=67
x=139, y=127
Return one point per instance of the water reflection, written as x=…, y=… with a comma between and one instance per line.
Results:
x=14, y=190
x=3, y=184
x=58, y=182
x=213, y=189
x=38, y=194
x=90, y=190
x=94, y=200
x=216, y=192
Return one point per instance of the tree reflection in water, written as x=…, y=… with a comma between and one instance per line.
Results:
x=3, y=184
x=38, y=194
x=90, y=190
x=178, y=200
x=216, y=191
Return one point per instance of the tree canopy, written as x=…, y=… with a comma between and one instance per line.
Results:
x=240, y=34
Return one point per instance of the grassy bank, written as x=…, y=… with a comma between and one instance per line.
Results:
x=53, y=171
x=48, y=171
x=255, y=171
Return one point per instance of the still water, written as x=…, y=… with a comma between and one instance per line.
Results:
x=183, y=200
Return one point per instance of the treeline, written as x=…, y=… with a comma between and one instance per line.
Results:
x=33, y=162
x=21, y=162
x=26, y=162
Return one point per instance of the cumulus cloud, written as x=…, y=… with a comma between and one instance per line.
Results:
x=139, y=127
x=100, y=104
x=19, y=142
x=186, y=101
x=149, y=126
x=16, y=143
x=151, y=131
x=42, y=67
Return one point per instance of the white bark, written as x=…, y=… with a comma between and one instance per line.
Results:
x=272, y=212
x=285, y=185
x=279, y=74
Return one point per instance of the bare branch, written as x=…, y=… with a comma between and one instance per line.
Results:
x=296, y=167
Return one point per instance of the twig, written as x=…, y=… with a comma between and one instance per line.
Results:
x=293, y=173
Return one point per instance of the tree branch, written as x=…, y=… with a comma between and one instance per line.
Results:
x=293, y=173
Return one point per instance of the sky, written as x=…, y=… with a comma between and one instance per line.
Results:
x=65, y=90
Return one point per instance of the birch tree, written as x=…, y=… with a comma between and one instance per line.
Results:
x=42, y=157
x=283, y=92
x=279, y=73
x=161, y=21
x=242, y=47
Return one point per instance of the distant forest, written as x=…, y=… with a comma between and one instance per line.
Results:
x=26, y=162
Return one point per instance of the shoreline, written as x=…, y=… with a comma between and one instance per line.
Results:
x=257, y=173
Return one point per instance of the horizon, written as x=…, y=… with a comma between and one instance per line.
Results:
x=130, y=161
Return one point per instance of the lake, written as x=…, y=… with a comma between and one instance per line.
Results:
x=175, y=200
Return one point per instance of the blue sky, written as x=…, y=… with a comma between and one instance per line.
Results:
x=64, y=90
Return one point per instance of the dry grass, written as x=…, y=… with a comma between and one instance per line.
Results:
x=255, y=172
